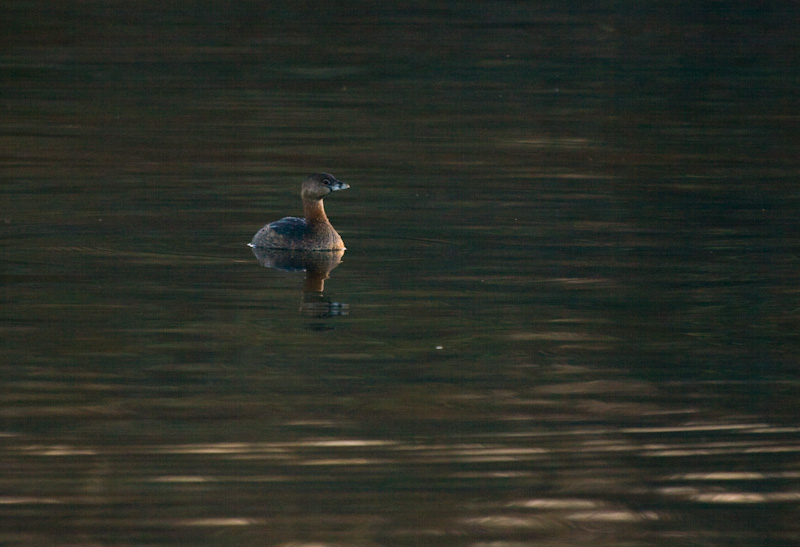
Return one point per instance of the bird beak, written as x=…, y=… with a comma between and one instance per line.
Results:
x=339, y=185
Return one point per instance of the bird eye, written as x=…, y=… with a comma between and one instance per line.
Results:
x=326, y=182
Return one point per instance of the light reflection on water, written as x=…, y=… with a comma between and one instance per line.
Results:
x=473, y=485
x=567, y=313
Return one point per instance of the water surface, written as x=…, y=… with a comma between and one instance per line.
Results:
x=567, y=314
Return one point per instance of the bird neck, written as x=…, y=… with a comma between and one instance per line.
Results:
x=314, y=212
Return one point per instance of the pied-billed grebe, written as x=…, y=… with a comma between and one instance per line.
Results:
x=314, y=232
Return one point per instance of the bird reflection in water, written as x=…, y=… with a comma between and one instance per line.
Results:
x=317, y=265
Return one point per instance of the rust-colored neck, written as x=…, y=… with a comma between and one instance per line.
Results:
x=314, y=212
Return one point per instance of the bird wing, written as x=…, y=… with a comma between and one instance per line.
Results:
x=290, y=227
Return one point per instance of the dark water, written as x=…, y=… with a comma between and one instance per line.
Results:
x=567, y=315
